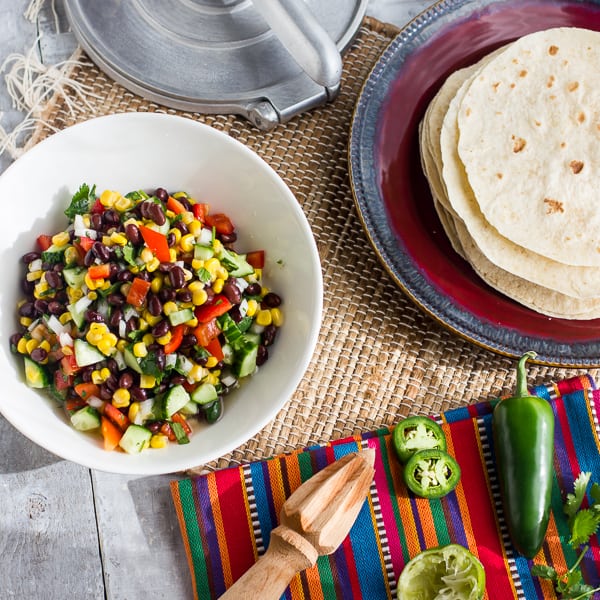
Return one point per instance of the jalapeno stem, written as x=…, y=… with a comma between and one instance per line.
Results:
x=522, y=390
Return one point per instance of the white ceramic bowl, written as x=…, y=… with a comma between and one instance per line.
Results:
x=145, y=151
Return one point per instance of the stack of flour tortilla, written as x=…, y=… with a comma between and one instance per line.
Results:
x=511, y=149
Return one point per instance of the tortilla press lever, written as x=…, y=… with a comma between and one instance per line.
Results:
x=304, y=38
x=314, y=521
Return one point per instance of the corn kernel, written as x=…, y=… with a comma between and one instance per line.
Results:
x=134, y=409
x=172, y=255
x=105, y=346
x=105, y=373
x=158, y=440
x=151, y=319
x=164, y=339
x=118, y=238
x=222, y=272
x=121, y=345
x=195, y=227
x=121, y=397
x=187, y=242
x=146, y=255
x=22, y=346
x=92, y=295
x=74, y=294
x=45, y=345
x=276, y=317
x=71, y=255
x=93, y=283
x=140, y=350
x=123, y=204
x=25, y=321
x=169, y=307
x=152, y=265
x=65, y=317
x=31, y=345
x=67, y=350
x=40, y=289
x=169, y=214
x=187, y=217
x=106, y=240
x=211, y=362
x=86, y=220
x=106, y=284
x=108, y=198
x=217, y=286
x=196, y=286
x=157, y=283
x=213, y=377
x=211, y=265
x=61, y=239
x=97, y=377
x=178, y=195
x=147, y=381
x=193, y=322
x=148, y=339
x=217, y=246
x=142, y=324
x=264, y=317
x=196, y=373
x=197, y=264
x=252, y=307
x=34, y=275
x=177, y=233
x=199, y=297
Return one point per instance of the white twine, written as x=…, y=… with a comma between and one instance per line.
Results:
x=30, y=85
x=32, y=12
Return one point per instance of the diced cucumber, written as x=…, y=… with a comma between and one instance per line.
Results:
x=86, y=354
x=230, y=330
x=236, y=264
x=228, y=356
x=36, y=375
x=164, y=228
x=135, y=439
x=175, y=399
x=131, y=361
x=181, y=316
x=74, y=276
x=204, y=393
x=77, y=311
x=190, y=409
x=85, y=418
x=203, y=252
x=245, y=360
x=253, y=338
x=53, y=255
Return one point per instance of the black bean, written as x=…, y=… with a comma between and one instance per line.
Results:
x=183, y=228
x=210, y=293
x=228, y=238
x=185, y=202
x=133, y=234
x=253, y=290
x=262, y=356
x=184, y=295
x=89, y=258
x=101, y=251
x=41, y=306
x=58, y=267
x=115, y=317
x=126, y=380
x=132, y=324
x=55, y=308
x=137, y=393
x=156, y=213
x=112, y=366
x=167, y=294
x=111, y=218
x=14, y=339
x=39, y=355
x=268, y=335
x=171, y=239
x=162, y=194
x=178, y=380
x=105, y=392
x=96, y=221
x=160, y=329
x=144, y=208
x=27, y=310
x=112, y=383
x=27, y=286
x=86, y=374
x=165, y=267
x=235, y=314
x=154, y=305
x=62, y=297
x=53, y=279
x=92, y=316
x=124, y=275
x=160, y=357
x=177, y=277
x=154, y=426
x=271, y=300
x=232, y=291
x=30, y=257
x=115, y=299
x=189, y=340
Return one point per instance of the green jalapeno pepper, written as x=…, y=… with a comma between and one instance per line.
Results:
x=431, y=473
x=523, y=430
x=417, y=433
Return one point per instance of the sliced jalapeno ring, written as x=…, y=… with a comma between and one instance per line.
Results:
x=417, y=433
x=431, y=473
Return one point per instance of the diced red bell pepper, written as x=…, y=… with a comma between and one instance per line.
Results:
x=205, y=332
x=138, y=291
x=97, y=208
x=177, y=333
x=157, y=242
x=62, y=381
x=200, y=211
x=69, y=365
x=74, y=404
x=175, y=206
x=87, y=389
x=116, y=416
x=86, y=243
x=111, y=433
x=219, y=306
x=99, y=271
x=214, y=347
x=168, y=431
x=220, y=222
x=44, y=242
x=256, y=259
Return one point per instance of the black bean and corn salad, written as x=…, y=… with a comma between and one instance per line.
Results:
x=140, y=316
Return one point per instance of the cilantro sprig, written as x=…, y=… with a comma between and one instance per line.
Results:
x=82, y=201
x=583, y=524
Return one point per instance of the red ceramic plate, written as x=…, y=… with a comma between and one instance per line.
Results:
x=392, y=195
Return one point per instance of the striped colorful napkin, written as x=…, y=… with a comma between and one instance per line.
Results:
x=226, y=516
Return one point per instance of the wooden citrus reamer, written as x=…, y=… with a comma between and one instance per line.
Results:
x=314, y=521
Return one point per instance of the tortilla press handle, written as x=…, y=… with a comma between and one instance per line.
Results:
x=304, y=38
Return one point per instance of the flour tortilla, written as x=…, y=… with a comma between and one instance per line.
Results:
x=529, y=126
x=458, y=198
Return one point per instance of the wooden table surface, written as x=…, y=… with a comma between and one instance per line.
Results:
x=67, y=531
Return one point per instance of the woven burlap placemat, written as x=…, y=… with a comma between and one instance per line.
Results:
x=378, y=356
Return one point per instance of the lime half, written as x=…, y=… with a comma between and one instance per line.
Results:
x=446, y=573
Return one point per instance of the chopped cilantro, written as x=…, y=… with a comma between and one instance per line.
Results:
x=82, y=201
x=149, y=365
x=203, y=275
